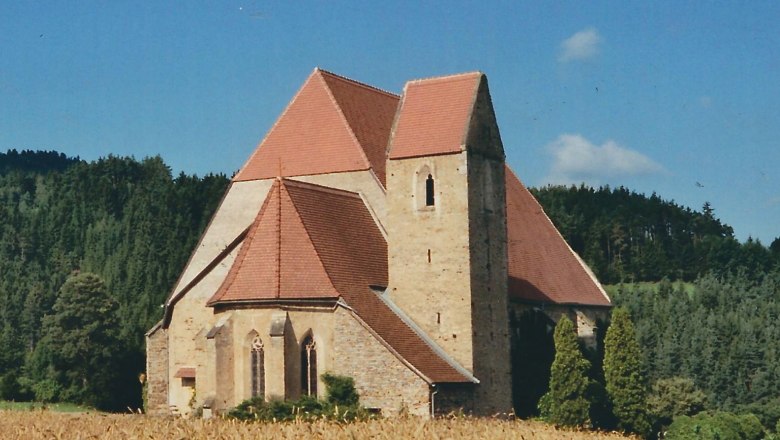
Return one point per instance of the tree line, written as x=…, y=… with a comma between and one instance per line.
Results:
x=625, y=236
x=128, y=221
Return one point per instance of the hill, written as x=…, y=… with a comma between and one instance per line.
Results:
x=129, y=221
x=625, y=236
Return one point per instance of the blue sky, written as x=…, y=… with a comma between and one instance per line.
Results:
x=680, y=98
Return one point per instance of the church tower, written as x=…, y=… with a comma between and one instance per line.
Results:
x=446, y=227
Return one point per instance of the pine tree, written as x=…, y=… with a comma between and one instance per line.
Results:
x=626, y=383
x=566, y=402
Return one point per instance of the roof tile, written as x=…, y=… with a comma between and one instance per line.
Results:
x=332, y=125
x=542, y=266
x=434, y=116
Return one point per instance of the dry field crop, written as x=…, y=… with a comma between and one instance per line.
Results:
x=33, y=425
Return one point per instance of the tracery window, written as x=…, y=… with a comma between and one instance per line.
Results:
x=257, y=367
x=308, y=367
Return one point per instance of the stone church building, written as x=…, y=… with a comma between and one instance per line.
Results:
x=372, y=235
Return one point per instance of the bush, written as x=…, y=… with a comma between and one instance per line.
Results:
x=341, y=390
x=676, y=396
x=341, y=405
x=716, y=426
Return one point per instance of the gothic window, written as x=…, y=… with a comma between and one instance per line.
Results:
x=257, y=367
x=308, y=367
x=429, y=195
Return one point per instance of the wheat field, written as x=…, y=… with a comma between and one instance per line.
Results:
x=34, y=425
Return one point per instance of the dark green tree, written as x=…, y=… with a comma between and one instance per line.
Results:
x=625, y=381
x=566, y=403
x=80, y=348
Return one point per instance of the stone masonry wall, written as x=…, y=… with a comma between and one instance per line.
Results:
x=489, y=300
x=382, y=380
x=157, y=372
x=428, y=249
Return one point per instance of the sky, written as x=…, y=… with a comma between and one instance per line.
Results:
x=673, y=97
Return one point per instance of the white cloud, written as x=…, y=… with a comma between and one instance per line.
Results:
x=576, y=159
x=580, y=46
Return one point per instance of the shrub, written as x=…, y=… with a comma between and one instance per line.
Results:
x=342, y=405
x=341, y=390
x=716, y=426
x=676, y=396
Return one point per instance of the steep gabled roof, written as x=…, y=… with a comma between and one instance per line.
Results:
x=434, y=116
x=542, y=266
x=315, y=242
x=333, y=124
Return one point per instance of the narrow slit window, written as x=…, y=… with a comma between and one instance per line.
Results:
x=429, y=195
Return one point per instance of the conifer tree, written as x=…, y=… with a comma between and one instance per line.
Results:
x=625, y=381
x=566, y=402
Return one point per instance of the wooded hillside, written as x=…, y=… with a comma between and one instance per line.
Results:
x=134, y=225
x=129, y=221
x=626, y=236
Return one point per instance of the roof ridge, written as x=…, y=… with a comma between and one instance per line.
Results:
x=251, y=231
x=320, y=188
x=430, y=79
x=344, y=118
x=356, y=82
x=308, y=235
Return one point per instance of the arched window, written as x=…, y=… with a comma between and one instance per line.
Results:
x=308, y=367
x=257, y=367
x=429, y=194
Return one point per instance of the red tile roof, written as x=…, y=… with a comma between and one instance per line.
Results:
x=332, y=125
x=434, y=116
x=542, y=266
x=277, y=259
x=310, y=241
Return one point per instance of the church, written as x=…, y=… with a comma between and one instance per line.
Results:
x=377, y=236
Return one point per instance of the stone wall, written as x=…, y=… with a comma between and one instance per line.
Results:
x=489, y=302
x=428, y=249
x=381, y=378
x=157, y=372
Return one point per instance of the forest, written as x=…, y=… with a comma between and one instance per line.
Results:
x=121, y=229
x=130, y=222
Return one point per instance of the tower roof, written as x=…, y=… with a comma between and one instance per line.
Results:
x=434, y=116
x=333, y=124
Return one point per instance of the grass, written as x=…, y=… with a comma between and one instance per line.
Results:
x=34, y=425
x=30, y=406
